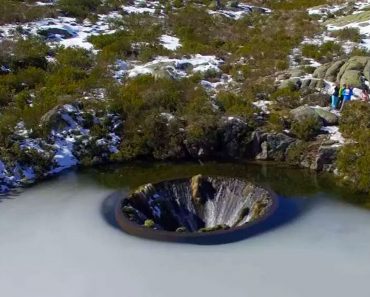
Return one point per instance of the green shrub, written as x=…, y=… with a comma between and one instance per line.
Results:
x=348, y=34
x=276, y=121
x=324, y=52
x=233, y=104
x=16, y=11
x=79, y=8
x=137, y=36
x=355, y=119
x=354, y=161
x=28, y=52
x=75, y=57
x=296, y=152
x=286, y=97
x=27, y=78
x=307, y=128
x=296, y=4
x=7, y=125
x=5, y=95
x=40, y=161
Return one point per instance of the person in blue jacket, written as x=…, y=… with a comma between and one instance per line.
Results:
x=347, y=95
x=335, y=97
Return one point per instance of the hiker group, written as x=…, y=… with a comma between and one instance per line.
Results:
x=343, y=94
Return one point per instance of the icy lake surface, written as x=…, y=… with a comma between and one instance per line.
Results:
x=54, y=242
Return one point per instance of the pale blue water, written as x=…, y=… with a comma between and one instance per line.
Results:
x=54, y=242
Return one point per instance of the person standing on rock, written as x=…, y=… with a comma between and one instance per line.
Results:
x=347, y=95
x=340, y=98
x=365, y=89
x=335, y=97
x=365, y=95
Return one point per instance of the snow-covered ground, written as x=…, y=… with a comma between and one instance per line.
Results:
x=60, y=147
x=363, y=27
x=170, y=42
x=334, y=134
x=360, y=12
x=64, y=31
x=325, y=10
x=138, y=7
x=263, y=105
x=177, y=68
x=238, y=12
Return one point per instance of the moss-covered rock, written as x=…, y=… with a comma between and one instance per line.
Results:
x=328, y=117
x=332, y=72
x=149, y=224
x=351, y=77
x=301, y=113
x=321, y=71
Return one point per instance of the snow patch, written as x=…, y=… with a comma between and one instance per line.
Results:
x=64, y=31
x=263, y=105
x=177, y=68
x=239, y=12
x=170, y=42
x=334, y=133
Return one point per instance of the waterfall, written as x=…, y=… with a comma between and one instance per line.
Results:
x=197, y=204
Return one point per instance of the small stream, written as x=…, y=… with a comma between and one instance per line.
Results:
x=54, y=240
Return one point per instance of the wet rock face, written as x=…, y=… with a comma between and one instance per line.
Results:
x=197, y=204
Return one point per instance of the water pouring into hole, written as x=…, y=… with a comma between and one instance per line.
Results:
x=193, y=208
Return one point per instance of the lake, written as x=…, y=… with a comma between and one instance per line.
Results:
x=56, y=242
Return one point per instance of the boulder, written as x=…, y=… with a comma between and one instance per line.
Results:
x=257, y=9
x=275, y=147
x=332, y=72
x=232, y=4
x=321, y=71
x=357, y=63
x=367, y=71
x=51, y=32
x=292, y=82
x=316, y=98
x=297, y=73
x=306, y=83
x=53, y=118
x=303, y=112
x=212, y=5
x=163, y=73
x=283, y=76
x=351, y=77
x=253, y=148
x=325, y=159
x=316, y=84
x=234, y=135
x=329, y=118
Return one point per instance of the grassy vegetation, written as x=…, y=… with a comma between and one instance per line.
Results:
x=358, y=18
x=35, y=86
x=137, y=37
x=348, y=34
x=296, y=4
x=324, y=52
x=354, y=159
x=79, y=8
x=16, y=11
x=306, y=129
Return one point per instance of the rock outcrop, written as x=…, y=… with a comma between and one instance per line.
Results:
x=345, y=71
x=274, y=146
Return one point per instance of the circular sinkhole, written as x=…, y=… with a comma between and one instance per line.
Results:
x=199, y=209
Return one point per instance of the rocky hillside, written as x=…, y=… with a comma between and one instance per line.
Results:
x=90, y=82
